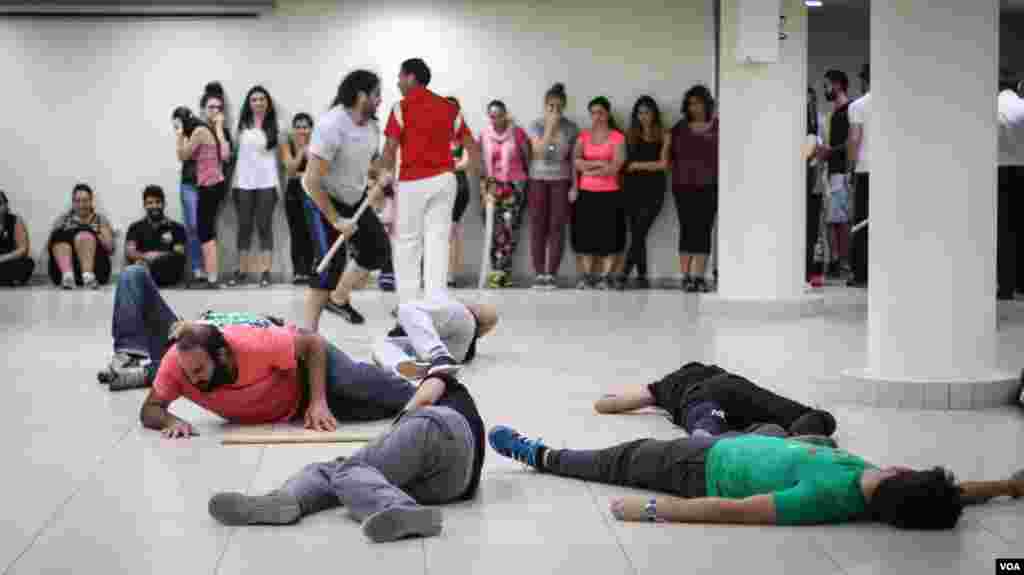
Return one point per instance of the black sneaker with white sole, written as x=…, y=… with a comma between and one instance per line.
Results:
x=346, y=311
x=241, y=509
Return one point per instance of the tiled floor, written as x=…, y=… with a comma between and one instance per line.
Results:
x=86, y=489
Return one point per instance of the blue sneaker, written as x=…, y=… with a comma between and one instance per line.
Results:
x=509, y=443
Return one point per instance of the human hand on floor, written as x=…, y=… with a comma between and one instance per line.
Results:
x=630, y=508
x=181, y=429
x=320, y=418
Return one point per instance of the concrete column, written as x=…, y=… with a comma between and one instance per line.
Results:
x=762, y=175
x=931, y=299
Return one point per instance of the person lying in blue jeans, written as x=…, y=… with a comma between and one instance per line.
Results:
x=246, y=368
x=707, y=400
x=755, y=479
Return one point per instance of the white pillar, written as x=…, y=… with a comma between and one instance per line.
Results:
x=762, y=178
x=931, y=298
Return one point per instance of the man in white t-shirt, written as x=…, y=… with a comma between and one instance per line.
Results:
x=344, y=143
x=1011, y=180
x=860, y=162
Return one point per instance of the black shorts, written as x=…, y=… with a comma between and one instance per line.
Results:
x=599, y=224
x=461, y=196
x=101, y=263
x=369, y=245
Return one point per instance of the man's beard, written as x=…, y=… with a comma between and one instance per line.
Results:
x=222, y=375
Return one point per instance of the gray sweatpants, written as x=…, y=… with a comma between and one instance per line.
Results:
x=436, y=325
x=426, y=458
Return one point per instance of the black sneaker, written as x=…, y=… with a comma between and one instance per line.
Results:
x=641, y=283
x=443, y=364
x=265, y=279
x=346, y=311
x=237, y=279
x=300, y=279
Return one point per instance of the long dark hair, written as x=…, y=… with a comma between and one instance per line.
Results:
x=604, y=103
x=699, y=91
x=189, y=123
x=357, y=81
x=636, y=129
x=245, y=118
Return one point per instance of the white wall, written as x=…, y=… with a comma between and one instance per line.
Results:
x=837, y=37
x=90, y=100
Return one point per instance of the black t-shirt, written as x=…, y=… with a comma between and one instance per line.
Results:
x=839, y=133
x=159, y=238
x=457, y=397
x=8, y=243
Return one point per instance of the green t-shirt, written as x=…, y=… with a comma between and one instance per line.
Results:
x=222, y=319
x=809, y=484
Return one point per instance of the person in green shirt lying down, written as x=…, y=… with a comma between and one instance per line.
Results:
x=756, y=479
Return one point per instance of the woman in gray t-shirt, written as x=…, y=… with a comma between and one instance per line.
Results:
x=552, y=178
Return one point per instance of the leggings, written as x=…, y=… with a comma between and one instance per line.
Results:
x=549, y=211
x=190, y=211
x=813, y=220
x=16, y=272
x=508, y=215
x=301, y=242
x=255, y=211
x=210, y=198
x=696, y=217
x=647, y=196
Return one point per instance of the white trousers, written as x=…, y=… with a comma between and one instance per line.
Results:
x=437, y=325
x=422, y=225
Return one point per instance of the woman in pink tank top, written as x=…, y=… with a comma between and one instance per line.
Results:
x=196, y=141
x=599, y=226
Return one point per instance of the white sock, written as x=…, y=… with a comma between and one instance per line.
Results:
x=213, y=278
x=68, y=275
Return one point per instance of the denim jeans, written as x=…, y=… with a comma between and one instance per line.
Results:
x=189, y=208
x=142, y=319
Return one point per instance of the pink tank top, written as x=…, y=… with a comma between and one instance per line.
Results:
x=208, y=167
x=605, y=151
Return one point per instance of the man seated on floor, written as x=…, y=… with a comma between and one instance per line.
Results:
x=755, y=479
x=434, y=335
x=157, y=241
x=248, y=371
x=433, y=454
x=706, y=400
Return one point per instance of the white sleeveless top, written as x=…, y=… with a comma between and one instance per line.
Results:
x=257, y=166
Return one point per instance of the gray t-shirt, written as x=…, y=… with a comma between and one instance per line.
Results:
x=557, y=161
x=348, y=148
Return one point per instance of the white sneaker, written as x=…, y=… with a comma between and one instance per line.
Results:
x=89, y=281
x=68, y=281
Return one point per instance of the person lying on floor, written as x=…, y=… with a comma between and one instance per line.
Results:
x=706, y=400
x=433, y=454
x=757, y=479
x=248, y=372
x=434, y=335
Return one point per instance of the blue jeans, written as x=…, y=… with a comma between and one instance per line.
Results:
x=142, y=319
x=190, y=209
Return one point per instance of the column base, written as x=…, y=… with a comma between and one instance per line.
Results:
x=992, y=389
x=806, y=305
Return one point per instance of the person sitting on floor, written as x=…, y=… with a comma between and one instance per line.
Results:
x=433, y=454
x=157, y=241
x=15, y=264
x=81, y=242
x=439, y=330
x=706, y=400
x=755, y=479
x=246, y=372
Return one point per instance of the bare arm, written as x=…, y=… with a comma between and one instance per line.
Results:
x=615, y=166
x=853, y=144
x=311, y=353
x=20, y=241
x=429, y=391
x=291, y=161
x=316, y=169
x=472, y=151
x=106, y=236
x=132, y=253
x=636, y=397
x=154, y=415
x=756, y=510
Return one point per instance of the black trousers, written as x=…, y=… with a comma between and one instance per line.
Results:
x=16, y=272
x=1010, y=180
x=745, y=404
x=675, y=467
x=859, y=243
x=646, y=198
x=301, y=244
x=168, y=270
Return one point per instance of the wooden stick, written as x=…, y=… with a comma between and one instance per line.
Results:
x=283, y=438
x=326, y=261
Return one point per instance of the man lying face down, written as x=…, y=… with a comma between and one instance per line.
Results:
x=245, y=369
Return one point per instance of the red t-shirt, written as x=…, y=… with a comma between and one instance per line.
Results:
x=267, y=389
x=424, y=124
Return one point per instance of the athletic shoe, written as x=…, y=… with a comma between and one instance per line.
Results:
x=443, y=364
x=346, y=311
x=602, y=284
x=237, y=279
x=265, y=279
x=396, y=523
x=240, y=509
x=497, y=280
x=540, y=282
x=583, y=283
x=68, y=282
x=128, y=378
x=89, y=281
x=122, y=360
x=551, y=282
x=817, y=280
x=300, y=279
x=386, y=282
x=641, y=283
x=507, y=441
x=619, y=283
x=688, y=285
